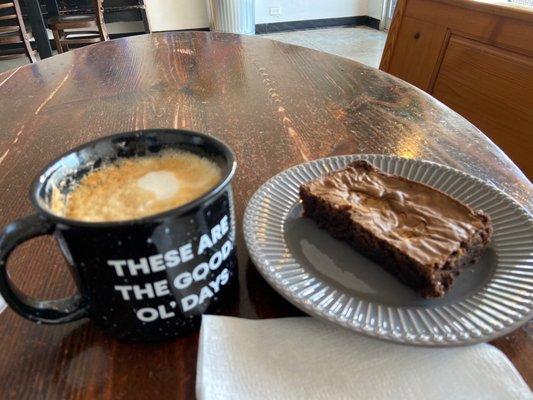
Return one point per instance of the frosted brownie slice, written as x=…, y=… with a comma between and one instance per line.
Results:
x=421, y=235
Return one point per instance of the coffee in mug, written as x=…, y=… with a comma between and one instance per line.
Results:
x=137, y=187
x=145, y=220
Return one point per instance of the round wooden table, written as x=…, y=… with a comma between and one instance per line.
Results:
x=277, y=105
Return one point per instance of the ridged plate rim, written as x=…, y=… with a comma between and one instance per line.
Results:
x=500, y=306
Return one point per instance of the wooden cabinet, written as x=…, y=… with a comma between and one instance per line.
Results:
x=477, y=58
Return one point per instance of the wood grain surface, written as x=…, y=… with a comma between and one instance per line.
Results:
x=277, y=105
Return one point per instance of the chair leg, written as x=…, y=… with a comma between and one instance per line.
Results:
x=102, y=29
x=27, y=48
x=63, y=37
x=103, y=33
x=100, y=22
x=57, y=41
x=23, y=33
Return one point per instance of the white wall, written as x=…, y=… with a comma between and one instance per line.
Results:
x=374, y=8
x=168, y=15
x=189, y=14
x=299, y=10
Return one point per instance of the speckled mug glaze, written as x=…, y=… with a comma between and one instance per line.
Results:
x=144, y=279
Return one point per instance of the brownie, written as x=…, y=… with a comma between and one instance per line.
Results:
x=419, y=234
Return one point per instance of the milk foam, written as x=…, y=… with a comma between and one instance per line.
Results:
x=162, y=184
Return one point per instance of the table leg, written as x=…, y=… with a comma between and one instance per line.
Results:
x=52, y=8
x=38, y=28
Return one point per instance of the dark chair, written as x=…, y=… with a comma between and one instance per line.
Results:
x=13, y=32
x=62, y=27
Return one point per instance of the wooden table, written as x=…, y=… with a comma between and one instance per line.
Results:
x=277, y=105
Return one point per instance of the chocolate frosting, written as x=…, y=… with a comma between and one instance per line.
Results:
x=421, y=221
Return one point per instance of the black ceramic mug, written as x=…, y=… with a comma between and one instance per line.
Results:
x=144, y=279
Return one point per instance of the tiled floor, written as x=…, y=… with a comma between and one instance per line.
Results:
x=360, y=43
x=6, y=65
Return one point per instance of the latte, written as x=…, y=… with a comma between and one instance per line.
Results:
x=138, y=187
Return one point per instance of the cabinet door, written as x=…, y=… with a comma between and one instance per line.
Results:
x=492, y=88
x=416, y=51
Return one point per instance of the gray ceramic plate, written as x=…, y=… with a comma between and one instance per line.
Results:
x=327, y=278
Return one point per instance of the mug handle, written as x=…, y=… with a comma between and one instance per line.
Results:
x=45, y=311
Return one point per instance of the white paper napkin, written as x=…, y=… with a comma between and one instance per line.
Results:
x=303, y=358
